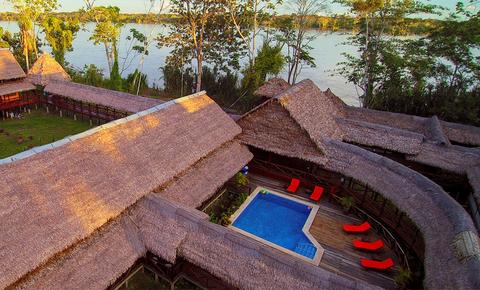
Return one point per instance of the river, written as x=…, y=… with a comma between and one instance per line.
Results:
x=327, y=52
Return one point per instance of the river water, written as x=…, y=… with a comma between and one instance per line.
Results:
x=327, y=52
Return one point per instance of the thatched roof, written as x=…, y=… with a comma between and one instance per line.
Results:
x=452, y=246
x=16, y=87
x=382, y=136
x=173, y=231
x=205, y=178
x=9, y=67
x=312, y=110
x=442, y=221
x=272, y=88
x=462, y=134
x=43, y=210
x=109, y=98
x=46, y=69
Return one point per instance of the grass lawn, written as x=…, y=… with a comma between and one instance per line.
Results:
x=35, y=129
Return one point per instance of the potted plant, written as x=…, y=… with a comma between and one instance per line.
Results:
x=403, y=277
x=347, y=203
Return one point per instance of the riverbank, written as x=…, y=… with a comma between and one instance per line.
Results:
x=334, y=23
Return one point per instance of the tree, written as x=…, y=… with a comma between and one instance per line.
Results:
x=375, y=17
x=30, y=11
x=269, y=62
x=247, y=15
x=107, y=32
x=202, y=34
x=437, y=74
x=295, y=35
x=3, y=39
x=60, y=35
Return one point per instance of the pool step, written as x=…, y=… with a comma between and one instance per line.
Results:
x=306, y=249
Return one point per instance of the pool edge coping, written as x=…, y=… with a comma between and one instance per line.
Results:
x=305, y=229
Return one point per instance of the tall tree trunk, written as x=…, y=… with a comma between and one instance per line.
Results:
x=199, y=70
x=255, y=27
x=109, y=58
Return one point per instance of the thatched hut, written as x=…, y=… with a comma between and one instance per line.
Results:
x=47, y=69
x=15, y=91
x=9, y=67
x=314, y=126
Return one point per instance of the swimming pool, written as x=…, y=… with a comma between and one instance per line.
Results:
x=280, y=221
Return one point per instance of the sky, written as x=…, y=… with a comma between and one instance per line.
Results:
x=141, y=6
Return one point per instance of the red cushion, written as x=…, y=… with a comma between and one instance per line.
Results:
x=317, y=193
x=378, y=265
x=370, y=246
x=357, y=228
x=293, y=185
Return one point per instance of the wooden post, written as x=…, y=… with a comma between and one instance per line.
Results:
x=383, y=206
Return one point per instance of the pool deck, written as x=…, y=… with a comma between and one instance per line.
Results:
x=339, y=255
x=306, y=227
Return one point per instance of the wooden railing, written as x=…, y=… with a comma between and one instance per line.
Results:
x=82, y=109
x=24, y=101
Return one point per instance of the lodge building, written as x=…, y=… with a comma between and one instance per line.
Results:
x=87, y=211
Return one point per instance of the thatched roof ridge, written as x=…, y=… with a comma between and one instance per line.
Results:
x=334, y=98
x=435, y=213
x=453, y=158
x=381, y=136
x=157, y=145
x=463, y=134
x=313, y=111
x=473, y=175
x=272, y=88
x=16, y=87
x=272, y=128
x=109, y=98
x=434, y=132
x=9, y=67
x=47, y=69
x=397, y=120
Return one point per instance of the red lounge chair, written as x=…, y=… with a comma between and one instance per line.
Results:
x=357, y=228
x=293, y=185
x=317, y=193
x=368, y=246
x=377, y=265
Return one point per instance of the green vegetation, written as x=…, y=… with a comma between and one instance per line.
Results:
x=60, y=35
x=403, y=277
x=225, y=206
x=241, y=179
x=437, y=74
x=347, y=203
x=30, y=12
x=35, y=129
x=324, y=23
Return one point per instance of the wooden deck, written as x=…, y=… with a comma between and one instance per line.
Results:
x=339, y=257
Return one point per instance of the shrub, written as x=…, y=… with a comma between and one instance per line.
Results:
x=241, y=179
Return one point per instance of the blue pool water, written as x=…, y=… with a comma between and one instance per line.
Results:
x=279, y=221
